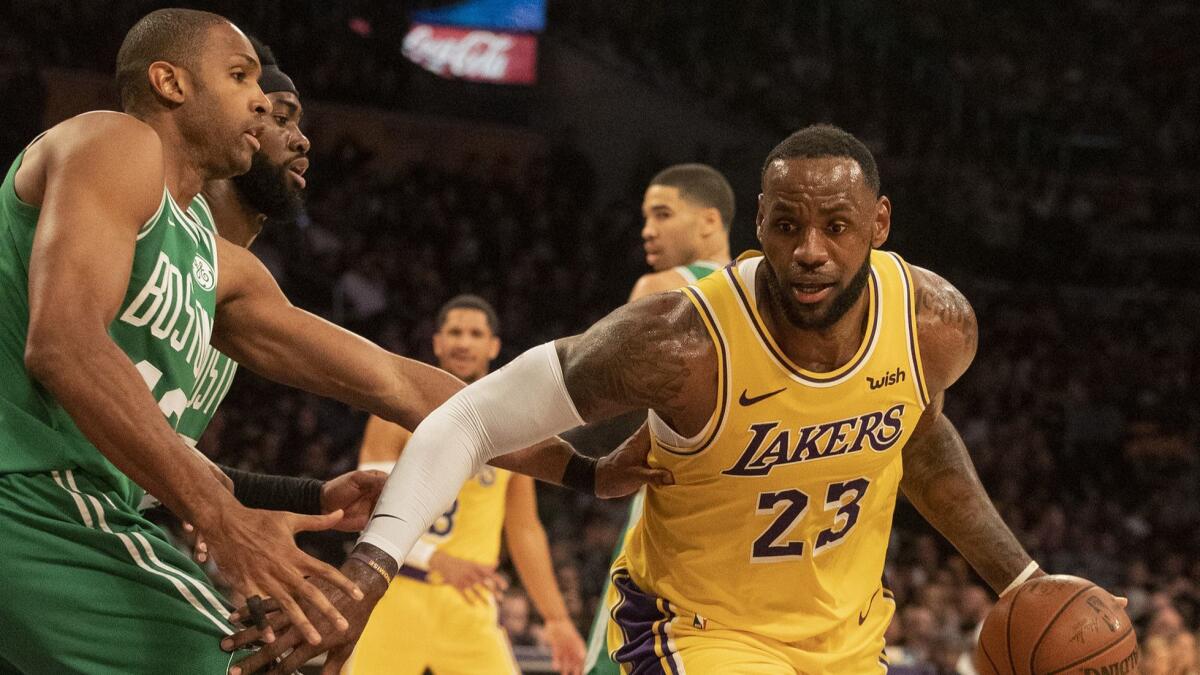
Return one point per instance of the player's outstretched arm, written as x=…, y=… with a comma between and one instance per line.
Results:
x=259, y=328
x=650, y=354
x=939, y=477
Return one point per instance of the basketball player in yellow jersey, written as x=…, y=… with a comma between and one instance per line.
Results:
x=793, y=395
x=687, y=210
x=440, y=612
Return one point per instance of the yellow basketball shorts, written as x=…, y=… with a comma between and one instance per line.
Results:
x=649, y=635
x=419, y=625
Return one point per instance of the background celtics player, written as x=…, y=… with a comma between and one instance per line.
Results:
x=688, y=209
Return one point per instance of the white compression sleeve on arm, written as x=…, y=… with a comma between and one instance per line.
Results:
x=521, y=404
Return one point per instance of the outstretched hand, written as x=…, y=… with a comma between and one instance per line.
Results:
x=354, y=493
x=286, y=650
x=626, y=469
x=257, y=554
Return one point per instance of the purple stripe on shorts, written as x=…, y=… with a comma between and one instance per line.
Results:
x=636, y=615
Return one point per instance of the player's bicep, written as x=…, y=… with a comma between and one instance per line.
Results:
x=98, y=194
x=259, y=328
x=643, y=355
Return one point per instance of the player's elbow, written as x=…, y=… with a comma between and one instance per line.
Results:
x=46, y=356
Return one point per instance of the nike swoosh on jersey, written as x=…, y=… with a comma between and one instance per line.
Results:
x=751, y=400
x=862, y=616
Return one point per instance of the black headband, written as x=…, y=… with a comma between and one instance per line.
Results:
x=273, y=79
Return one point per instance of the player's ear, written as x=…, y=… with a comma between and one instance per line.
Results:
x=759, y=217
x=494, y=349
x=883, y=222
x=165, y=80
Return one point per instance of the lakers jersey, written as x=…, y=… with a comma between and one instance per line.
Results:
x=779, y=519
x=470, y=528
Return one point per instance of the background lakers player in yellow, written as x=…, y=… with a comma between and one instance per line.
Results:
x=793, y=396
x=687, y=210
x=440, y=613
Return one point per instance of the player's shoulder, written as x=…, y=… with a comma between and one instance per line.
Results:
x=106, y=129
x=657, y=282
x=946, y=328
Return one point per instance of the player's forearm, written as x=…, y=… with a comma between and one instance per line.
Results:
x=940, y=481
x=546, y=461
x=511, y=409
x=108, y=400
x=531, y=555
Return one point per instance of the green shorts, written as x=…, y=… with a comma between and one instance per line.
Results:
x=92, y=587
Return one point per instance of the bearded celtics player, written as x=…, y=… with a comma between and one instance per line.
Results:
x=112, y=294
x=688, y=209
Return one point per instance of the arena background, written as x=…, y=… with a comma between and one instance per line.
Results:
x=1042, y=156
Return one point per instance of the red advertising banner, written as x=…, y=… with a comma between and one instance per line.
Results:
x=471, y=54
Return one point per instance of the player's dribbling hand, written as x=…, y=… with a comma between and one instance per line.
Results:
x=624, y=470
x=470, y=578
x=355, y=494
x=256, y=551
x=567, y=650
x=287, y=651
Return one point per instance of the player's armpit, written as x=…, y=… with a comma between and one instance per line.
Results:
x=940, y=481
x=653, y=353
x=259, y=328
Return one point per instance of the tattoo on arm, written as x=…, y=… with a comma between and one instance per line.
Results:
x=946, y=304
x=940, y=481
x=640, y=356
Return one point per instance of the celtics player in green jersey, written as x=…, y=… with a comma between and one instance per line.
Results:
x=688, y=209
x=113, y=292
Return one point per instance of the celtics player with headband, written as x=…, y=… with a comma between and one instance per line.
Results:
x=270, y=192
x=762, y=380
x=113, y=292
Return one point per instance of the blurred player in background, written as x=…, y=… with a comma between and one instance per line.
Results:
x=688, y=209
x=440, y=613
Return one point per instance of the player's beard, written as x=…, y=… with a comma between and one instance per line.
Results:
x=266, y=189
x=804, y=319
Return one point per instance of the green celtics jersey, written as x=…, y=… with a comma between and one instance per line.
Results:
x=696, y=271
x=216, y=373
x=211, y=388
x=164, y=324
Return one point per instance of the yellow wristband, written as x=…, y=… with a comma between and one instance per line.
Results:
x=387, y=578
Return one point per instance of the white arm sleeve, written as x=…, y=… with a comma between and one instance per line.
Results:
x=521, y=404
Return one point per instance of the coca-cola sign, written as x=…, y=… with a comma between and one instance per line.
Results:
x=479, y=55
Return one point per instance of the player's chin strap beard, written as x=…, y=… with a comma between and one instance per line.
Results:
x=841, y=304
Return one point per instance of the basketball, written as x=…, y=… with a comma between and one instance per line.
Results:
x=1057, y=624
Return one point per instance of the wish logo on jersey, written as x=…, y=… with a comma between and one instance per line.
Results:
x=770, y=446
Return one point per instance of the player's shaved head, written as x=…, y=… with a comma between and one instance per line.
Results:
x=174, y=35
x=826, y=140
x=700, y=184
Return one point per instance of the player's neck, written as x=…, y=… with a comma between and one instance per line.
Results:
x=819, y=350
x=182, y=171
x=236, y=222
x=718, y=253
